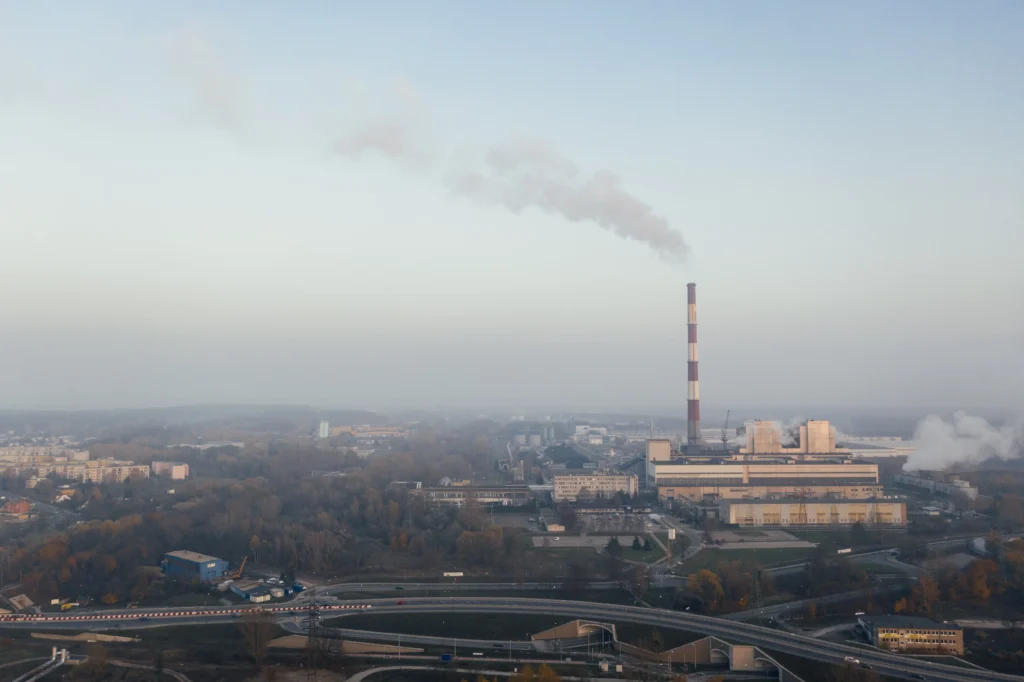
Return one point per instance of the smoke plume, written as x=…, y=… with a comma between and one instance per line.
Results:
x=217, y=88
x=389, y=138
x=964, y=440
x=532, y=175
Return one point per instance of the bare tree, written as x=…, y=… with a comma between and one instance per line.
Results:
x=258, y=629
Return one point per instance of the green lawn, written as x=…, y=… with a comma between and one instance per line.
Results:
x=765, y=558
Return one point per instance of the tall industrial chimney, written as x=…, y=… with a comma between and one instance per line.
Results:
x=693, y=388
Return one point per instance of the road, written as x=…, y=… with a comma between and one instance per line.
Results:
x=799, y=645
x=730, y=630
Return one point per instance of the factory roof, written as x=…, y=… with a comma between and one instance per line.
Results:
x=196, y=557
x=908, y=622
x=808, y=500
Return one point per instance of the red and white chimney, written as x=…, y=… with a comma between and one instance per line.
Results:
x=692, y=384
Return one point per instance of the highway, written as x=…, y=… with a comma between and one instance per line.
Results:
x=798, y=645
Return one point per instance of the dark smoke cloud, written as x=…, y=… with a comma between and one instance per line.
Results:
x=532, y=175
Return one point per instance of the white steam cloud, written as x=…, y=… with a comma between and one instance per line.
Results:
x=217, y=88
x=532, y=175
x=964, y=440
x=392, y=139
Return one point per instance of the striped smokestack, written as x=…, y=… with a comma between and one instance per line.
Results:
x=692, y=384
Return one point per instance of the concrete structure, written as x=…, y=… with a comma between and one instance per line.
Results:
x=176, y=471
x=778, y=491
x=813, y=438
x=459, y=496
x=193, y=566
x=913, y=634
x=325, y=429
x=692, y=382
x=801, y=512
x=954, y=488
x=587, y=487
x=535, y=440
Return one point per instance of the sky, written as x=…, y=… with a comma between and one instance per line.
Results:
x=498, y=205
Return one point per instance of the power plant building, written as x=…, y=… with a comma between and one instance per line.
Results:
x=802, y=512
x=587, y=487
x=813, y=438
x=778, y=491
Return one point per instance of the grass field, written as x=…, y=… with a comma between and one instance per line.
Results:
x=765, y=558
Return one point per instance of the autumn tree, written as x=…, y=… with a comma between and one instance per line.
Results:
x=706, y=587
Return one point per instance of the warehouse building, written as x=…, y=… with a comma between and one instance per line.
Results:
x=913, y=634
x=777, y=491
x=803, y=512
x=193, y=566
x=459, y=496
x=570, y=488
x=761, y=473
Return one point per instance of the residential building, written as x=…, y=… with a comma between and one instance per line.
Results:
x=94, y=471
x=371, y=432
x=325, y=429
x=587, y=487
x=16, y=508
x=176, y=471
x=913, y=634
x=802, y=512
x=193, y=566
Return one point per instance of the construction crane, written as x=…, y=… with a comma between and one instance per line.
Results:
x=725, y=438
x=238, y=574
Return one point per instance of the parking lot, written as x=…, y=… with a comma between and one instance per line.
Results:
x=567, y=541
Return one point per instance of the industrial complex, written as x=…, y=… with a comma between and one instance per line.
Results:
x=793, y=477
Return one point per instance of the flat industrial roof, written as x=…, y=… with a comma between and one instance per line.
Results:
x=915, y=622
x=196, y=557
x=811, y=500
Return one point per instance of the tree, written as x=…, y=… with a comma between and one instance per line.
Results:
x=637, y=546
x=647, y=543
x=613, y=547
x=577, y=578
x=858, y=535
x=258, y=629
x=705, y=586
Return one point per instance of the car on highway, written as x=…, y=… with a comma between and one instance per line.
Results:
x=918, y=676
x=851, y=659
x=400, y=602
x=143, y=617
x=399, y=587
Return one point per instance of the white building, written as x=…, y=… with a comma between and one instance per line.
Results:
x=572, y=487
x=176, y=471
x=325, y=429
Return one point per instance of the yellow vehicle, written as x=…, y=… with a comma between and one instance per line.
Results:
x=68, y=606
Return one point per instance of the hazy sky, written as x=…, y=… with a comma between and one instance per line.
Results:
x=415, y=205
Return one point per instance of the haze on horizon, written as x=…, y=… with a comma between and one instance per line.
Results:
x=480, y=207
